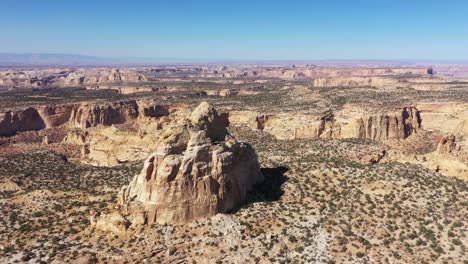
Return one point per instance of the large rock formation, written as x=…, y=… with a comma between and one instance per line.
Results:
x=448, y=144
x=115, y=76
x=12, y=122
x=34, y=118
x=394, y=125
x=38, y=78
x=309, y=71
x=87, y=115
x=90, y=115
x=110, y=146
x=19, y=79
x=111, y=134
x=356, y=82
x=451, y=146
x=70, y=79
x=198, y=170
x=55, y=115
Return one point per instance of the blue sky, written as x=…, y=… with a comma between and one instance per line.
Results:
x=254, y=30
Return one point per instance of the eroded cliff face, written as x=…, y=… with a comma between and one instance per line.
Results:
x=449, y=145
x=110, y=146
x=55, y=115
x=114, y=76
x=198, y=170
x=392, y=126
x=69, y=77
x=104, y=143
x=34, y=118
x=107, y=133
x=84, y=115
x=397, y=125
x=319, y=72
x=88, y=115
x=356, y=82
x=91, y=115
x=12, y=122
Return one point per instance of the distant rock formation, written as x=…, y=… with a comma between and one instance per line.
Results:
x=90, y=115
x=223, y=92
x=448, y=145
x=198, y=170
x=395, y=125
x=81, y=115
x=12, y=122
x=55, y=115
x=69, y=78
x=355, y=82
x=309, y=72
x=392, y=126
x=116, y=76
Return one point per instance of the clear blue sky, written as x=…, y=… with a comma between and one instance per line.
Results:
x=264, y=30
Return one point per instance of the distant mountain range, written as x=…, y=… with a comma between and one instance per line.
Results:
x=57, y=59
x=51, y=59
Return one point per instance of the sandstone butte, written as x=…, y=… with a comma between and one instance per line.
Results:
x=197, y=171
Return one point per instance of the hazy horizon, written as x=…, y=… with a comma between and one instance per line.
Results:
x=60, y=59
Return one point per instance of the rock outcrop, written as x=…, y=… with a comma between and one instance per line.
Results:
x=396, y=125
x=12, y=122
x=392, y=126
x=55, y=115
x=198, y=170
x=19, y=79
x=448, y=144
x=223, y=92
x=115, y=76
x=314, y=72
x=90, y=115
x=34, y=118
x=112, y=222
x=104, y=142
x=355, y=82
x=71, y=79
x=109, y=146
x=123, y=89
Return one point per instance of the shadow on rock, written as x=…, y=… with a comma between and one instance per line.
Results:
x=270, y=190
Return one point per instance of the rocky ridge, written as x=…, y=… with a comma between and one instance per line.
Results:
x=394, y=125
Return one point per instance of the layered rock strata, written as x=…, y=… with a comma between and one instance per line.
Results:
x=395, y=125
x=28, y=119
x=451, y=145
x=83, y=115
x=198, y=170
x=91, y=115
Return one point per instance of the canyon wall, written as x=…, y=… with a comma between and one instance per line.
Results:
x=55, y=115
x=69, y=78
x=395, y=125
x=321, y=72
x=356, y=82
x=82, y=115
x=91, y=115
x=12, y=122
